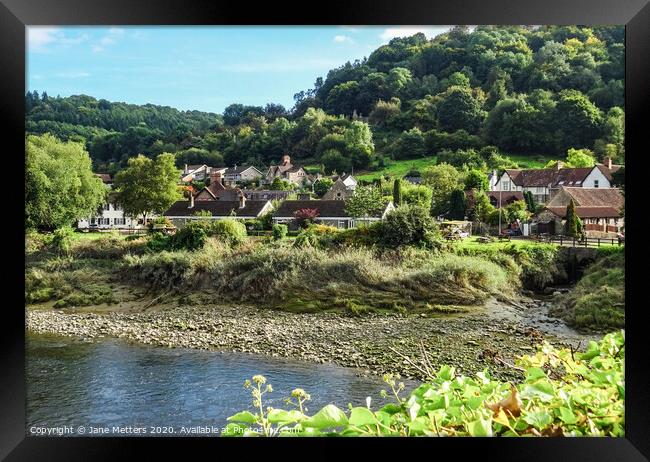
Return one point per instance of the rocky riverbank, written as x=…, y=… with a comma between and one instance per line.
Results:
x=488, y=336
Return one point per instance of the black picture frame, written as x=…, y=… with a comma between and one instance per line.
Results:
x=16, y=14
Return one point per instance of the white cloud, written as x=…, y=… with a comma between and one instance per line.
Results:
x=343, y=39
x=110, y=38
x=406, y=31
x=40, y=36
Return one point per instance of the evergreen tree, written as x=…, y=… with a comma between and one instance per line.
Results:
x=458, y=205
x=397, y=192
x=572, y=225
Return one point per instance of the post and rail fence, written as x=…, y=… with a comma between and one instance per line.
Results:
x=571, y=241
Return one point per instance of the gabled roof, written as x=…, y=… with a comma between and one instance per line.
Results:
x=608, y=171
x=590, y=197
x=549, y=176
x=217, y=208
x=326, y=208
x=588, y=212
x=105, y=177
x=238, y=169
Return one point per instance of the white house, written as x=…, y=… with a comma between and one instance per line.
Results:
x=544, y=183
x=111, y=216
x=235, y=175
x=199, y=172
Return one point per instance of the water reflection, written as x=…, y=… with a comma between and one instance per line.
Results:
x=114, y=383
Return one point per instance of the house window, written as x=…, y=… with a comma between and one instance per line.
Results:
x=595, y=183
x=106, y=207
x=342, y=223
x=93, y=221
x=120, y=221
x=505, y=186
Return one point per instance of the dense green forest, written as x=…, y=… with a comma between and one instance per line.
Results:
x=477, y=96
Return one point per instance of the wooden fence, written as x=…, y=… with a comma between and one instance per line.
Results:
x=573, y=242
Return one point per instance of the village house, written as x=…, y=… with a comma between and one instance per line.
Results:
x=238, y=174
x=339, y=191
x=111, y=215
x=265, y=194
x=544, y=183
x=286, y=171
x=214, y=189
x=347, y=179
x=199, y=172
x=240, y=209
x=598, y=208
x=500, y=199
x=330, y=212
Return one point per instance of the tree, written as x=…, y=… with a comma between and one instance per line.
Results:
x=60, y=186
x=571, y=227
x=480, y=208
x=457, y=205
x=531, y=204
x=147, y=185
x=365, y=202
x=397, y=192
x=476, y=179
x=322, y=186
x=333, y=160
x=305, y=217
x=577, y=158
x=416, y=194
x=460, y=109
x=409, y=225
x=409, y=145
x=442, y=179
x=280, y=184
x=577, y=119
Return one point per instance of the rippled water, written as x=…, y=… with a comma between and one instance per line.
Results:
x=114, y=383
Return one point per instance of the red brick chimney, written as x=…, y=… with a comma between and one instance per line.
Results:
x=559, y=165
x=286, y=159
x=215, y=176
x=608, y=162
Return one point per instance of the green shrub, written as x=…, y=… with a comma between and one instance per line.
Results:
x=229, y=231
x=562, y=393
x=409, y=225
x=279, y=231
x=62, y=240
x=191, y=237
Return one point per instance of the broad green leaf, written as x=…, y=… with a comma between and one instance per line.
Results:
x=329, y=416
x=243, y=416
x=534, y=373
x=567, y=416
x=282, y=416
x=538, y=419
x=446, y=372
x=543, y=389
x=234, y=429
x=479, y=427
x=361, y=416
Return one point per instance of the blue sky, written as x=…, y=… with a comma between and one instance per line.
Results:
x=203, y=68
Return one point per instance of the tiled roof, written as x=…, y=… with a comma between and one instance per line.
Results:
x=105, y=177
x=549, y=176
x=217, y=208
x=238, y=169
x=326, y=208
x=590, y=197
x=608, y=171
x=588, y=212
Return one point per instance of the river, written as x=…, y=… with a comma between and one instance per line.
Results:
x=114, y=383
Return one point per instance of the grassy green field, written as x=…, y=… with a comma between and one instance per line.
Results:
x=472, y=242
x=398, y=168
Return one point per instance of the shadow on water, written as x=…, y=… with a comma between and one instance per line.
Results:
x=114, y=383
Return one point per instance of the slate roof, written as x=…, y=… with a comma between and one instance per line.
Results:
x=105, y=177
x=588, y=212
x=549, y=176
x=238, y=169
x=217, y=208
x=326, y=208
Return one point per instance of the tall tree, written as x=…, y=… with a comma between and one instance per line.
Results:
x=397, y=192
x=147, y=185
x=457, y=205
x=60, y=186
x=571, y=226
x=365, y=202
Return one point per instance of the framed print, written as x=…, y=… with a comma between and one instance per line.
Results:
x=380, y=225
